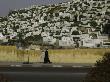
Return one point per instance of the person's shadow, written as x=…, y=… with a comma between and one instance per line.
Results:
x=46, y=58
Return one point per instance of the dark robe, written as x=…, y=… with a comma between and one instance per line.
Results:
x=46, y=58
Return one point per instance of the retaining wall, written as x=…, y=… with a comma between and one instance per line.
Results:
x=11, y=54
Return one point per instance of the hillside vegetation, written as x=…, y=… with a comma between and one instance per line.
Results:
x=49, y=24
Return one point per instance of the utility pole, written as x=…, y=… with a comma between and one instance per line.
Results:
x=28, y=58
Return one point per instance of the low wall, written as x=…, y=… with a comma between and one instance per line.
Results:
x=77, y=55
x=11, y=54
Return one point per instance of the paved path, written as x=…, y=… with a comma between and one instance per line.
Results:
x=20, y=64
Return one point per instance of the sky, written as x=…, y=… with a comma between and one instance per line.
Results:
x=7, y=5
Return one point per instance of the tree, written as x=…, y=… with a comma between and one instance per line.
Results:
x=106, y=29
x=75, y=17
x=56, y=14
x=101, y=71
x=75, y=33
x=36, y=39
x=2, y=19
x=45, y=18
x=12, y=12
x=67, y=18
x=61, y=18
x=94, y=36
x=21, y=39
x=93, y=23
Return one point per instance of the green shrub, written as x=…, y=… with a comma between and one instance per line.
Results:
x=101, y=71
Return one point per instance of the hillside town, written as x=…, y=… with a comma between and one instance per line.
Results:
x=75, y=24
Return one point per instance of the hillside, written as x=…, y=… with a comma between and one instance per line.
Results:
x=81, y=23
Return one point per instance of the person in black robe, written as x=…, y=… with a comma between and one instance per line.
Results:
x=46, y=58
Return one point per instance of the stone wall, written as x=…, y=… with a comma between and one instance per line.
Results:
x=10, y=53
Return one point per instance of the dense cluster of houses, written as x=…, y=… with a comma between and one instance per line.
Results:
x=79, y=23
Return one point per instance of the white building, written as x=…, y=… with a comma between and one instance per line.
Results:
x=91, y=43
x=66, y=41
x=49, y=40
x=2, y=37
